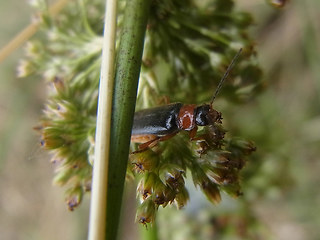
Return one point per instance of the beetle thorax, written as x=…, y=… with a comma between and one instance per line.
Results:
x=186, y=117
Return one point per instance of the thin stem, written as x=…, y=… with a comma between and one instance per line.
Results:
x=126, y=82
x=28, y=32
x=97, y=224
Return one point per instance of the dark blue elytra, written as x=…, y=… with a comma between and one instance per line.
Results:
x=159, y=121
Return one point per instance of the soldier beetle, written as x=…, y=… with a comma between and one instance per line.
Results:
x=153, y=125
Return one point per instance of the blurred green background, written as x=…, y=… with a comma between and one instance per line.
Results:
x=284, y=121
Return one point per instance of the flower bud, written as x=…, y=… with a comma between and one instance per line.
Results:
x=51, y=138
x=162, y=194
x=32, y=49
x=211, y=190
x=63, y=176
x=25, y=68
x=245, y=147
x=181, y=198
x=145, y=160
x=74, y=197
x=216, y=133
x=235, y=163
x=146, y=212
x=58, y=84
x=202, y=147
x=233, y=189
x=171, y=174
x=222, y=176
x=146, y=185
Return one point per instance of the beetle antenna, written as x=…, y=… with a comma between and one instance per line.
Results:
x=225, y=75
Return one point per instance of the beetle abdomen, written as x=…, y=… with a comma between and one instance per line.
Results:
x=158, y=121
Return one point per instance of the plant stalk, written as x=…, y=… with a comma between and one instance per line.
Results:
x=150, y=233
x=99, y=192
x=128, y=66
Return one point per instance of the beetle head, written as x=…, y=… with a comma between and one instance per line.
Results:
x=206, y=115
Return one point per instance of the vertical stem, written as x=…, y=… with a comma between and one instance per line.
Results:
x=150, y=233
x=97, y=223
x=126, y=82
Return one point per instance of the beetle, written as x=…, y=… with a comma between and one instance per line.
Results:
x=153, y=125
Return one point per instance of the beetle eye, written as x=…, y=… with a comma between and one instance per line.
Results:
x=202, y=115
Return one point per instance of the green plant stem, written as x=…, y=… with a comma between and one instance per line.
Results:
x=150, y=233
x=128, y=65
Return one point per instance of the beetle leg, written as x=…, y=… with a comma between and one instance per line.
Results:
x=166, y=137
x=143, y=138
x=193, y=133
x=144, y=146
x=153, y=142
x=145, y=141
x=149, y=144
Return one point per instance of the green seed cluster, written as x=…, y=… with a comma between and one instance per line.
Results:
x=67, y=56
x=195, y=41
x=214, y=163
